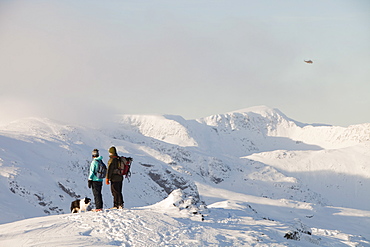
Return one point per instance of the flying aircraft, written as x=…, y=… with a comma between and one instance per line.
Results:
x=308, y=61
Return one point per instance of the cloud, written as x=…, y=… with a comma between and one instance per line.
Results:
x=61, y=59
x=66, y=109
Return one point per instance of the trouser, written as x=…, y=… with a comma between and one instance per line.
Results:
x=116, y=188
x=96, y=188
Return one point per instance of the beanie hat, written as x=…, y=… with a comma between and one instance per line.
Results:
x=95, y=153
x=113, y=150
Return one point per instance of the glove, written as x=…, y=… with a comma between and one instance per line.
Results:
x=107, y=181
x=89, y=183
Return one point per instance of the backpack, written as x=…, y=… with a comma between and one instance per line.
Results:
x=124, y=165
x=102, y=170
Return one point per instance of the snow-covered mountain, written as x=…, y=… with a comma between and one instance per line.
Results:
x=254, y=164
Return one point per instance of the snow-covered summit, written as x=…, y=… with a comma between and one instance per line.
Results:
x=264, y=123
x=264, y=111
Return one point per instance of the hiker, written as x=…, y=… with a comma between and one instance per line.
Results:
x=95, y=180
x=114, y=179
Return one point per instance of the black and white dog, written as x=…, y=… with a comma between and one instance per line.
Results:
x=80, y=205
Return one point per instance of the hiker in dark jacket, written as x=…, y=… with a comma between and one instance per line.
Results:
x=114, y=179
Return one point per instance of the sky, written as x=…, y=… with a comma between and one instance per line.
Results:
x=85, y=61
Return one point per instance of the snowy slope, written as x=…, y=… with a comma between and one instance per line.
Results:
x=260, y=173
x=233, y=222
x=342, y=175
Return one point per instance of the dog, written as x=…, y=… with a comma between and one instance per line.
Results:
x=78, y=206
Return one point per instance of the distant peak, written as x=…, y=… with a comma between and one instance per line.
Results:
x=255, y=109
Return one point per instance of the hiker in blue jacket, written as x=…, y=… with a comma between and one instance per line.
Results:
x=94, y=181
